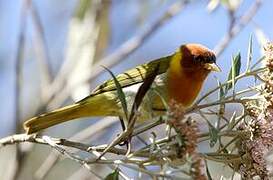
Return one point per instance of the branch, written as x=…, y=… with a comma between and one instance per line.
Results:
x=57, y=144
x=52, y=142
x=81, y=136
x=236, y=28
x=42, y=50
x=16, y=166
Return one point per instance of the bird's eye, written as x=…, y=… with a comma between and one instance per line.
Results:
x=212, y=59
x=198, y=58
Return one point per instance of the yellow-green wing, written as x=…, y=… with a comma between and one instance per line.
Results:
x=135, y=75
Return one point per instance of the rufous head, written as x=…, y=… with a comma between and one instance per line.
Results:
x=198, y=57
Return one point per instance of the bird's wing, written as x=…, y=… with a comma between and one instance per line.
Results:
x=133, y=76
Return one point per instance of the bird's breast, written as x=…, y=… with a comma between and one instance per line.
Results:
x=184, y=88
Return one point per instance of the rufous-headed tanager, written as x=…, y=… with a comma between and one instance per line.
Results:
x=180, y=77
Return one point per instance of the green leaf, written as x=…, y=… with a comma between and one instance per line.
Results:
x=234, y=71
x=222, y=106
x=143, y=89
x=213, y=135
x=232, y=121
x=221, y=97
x=162, y=98
x=249, y=53
x=222, y=147
x=221, y=91
x=261, y=59
x=120, y=92
x=207, y=171
x=179, y=139
x=82, y=9
x=113, y=176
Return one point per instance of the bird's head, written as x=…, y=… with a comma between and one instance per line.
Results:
x=188, y=69
x=196, y=57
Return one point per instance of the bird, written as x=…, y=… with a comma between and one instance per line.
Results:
x=179, y=77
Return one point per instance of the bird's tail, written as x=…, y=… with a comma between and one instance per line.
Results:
x=91, y=108
x=55, y=117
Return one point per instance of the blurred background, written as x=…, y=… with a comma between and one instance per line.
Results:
x=51, y=52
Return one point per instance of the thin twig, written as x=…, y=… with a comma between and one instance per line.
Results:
x=41, y=49
x=81, y=136
x=241, y=76
x=237, y=27
x=56, y=144
x=16, y=166
x=51, y=142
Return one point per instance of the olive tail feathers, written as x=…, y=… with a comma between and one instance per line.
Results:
x=53, y=118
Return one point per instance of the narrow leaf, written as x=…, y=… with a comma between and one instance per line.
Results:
x=258, y=62
x=222, y=106
x=233, y=78
x=221, y=95
x=232, y=121
x=234, y=71
x=207, y=171
x=179, y=139
x=225, y=149
x=213, y=135
x=113, y=176
x=142, y=91
x=249, y=53
x=221, y=91
x=163, y=99
x=120, y=92
x=82, y=9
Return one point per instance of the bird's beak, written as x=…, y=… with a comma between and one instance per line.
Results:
x=212, y=67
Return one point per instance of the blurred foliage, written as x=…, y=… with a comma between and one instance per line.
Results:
x=231, y=5
x=104, y=29
x=82, y=8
